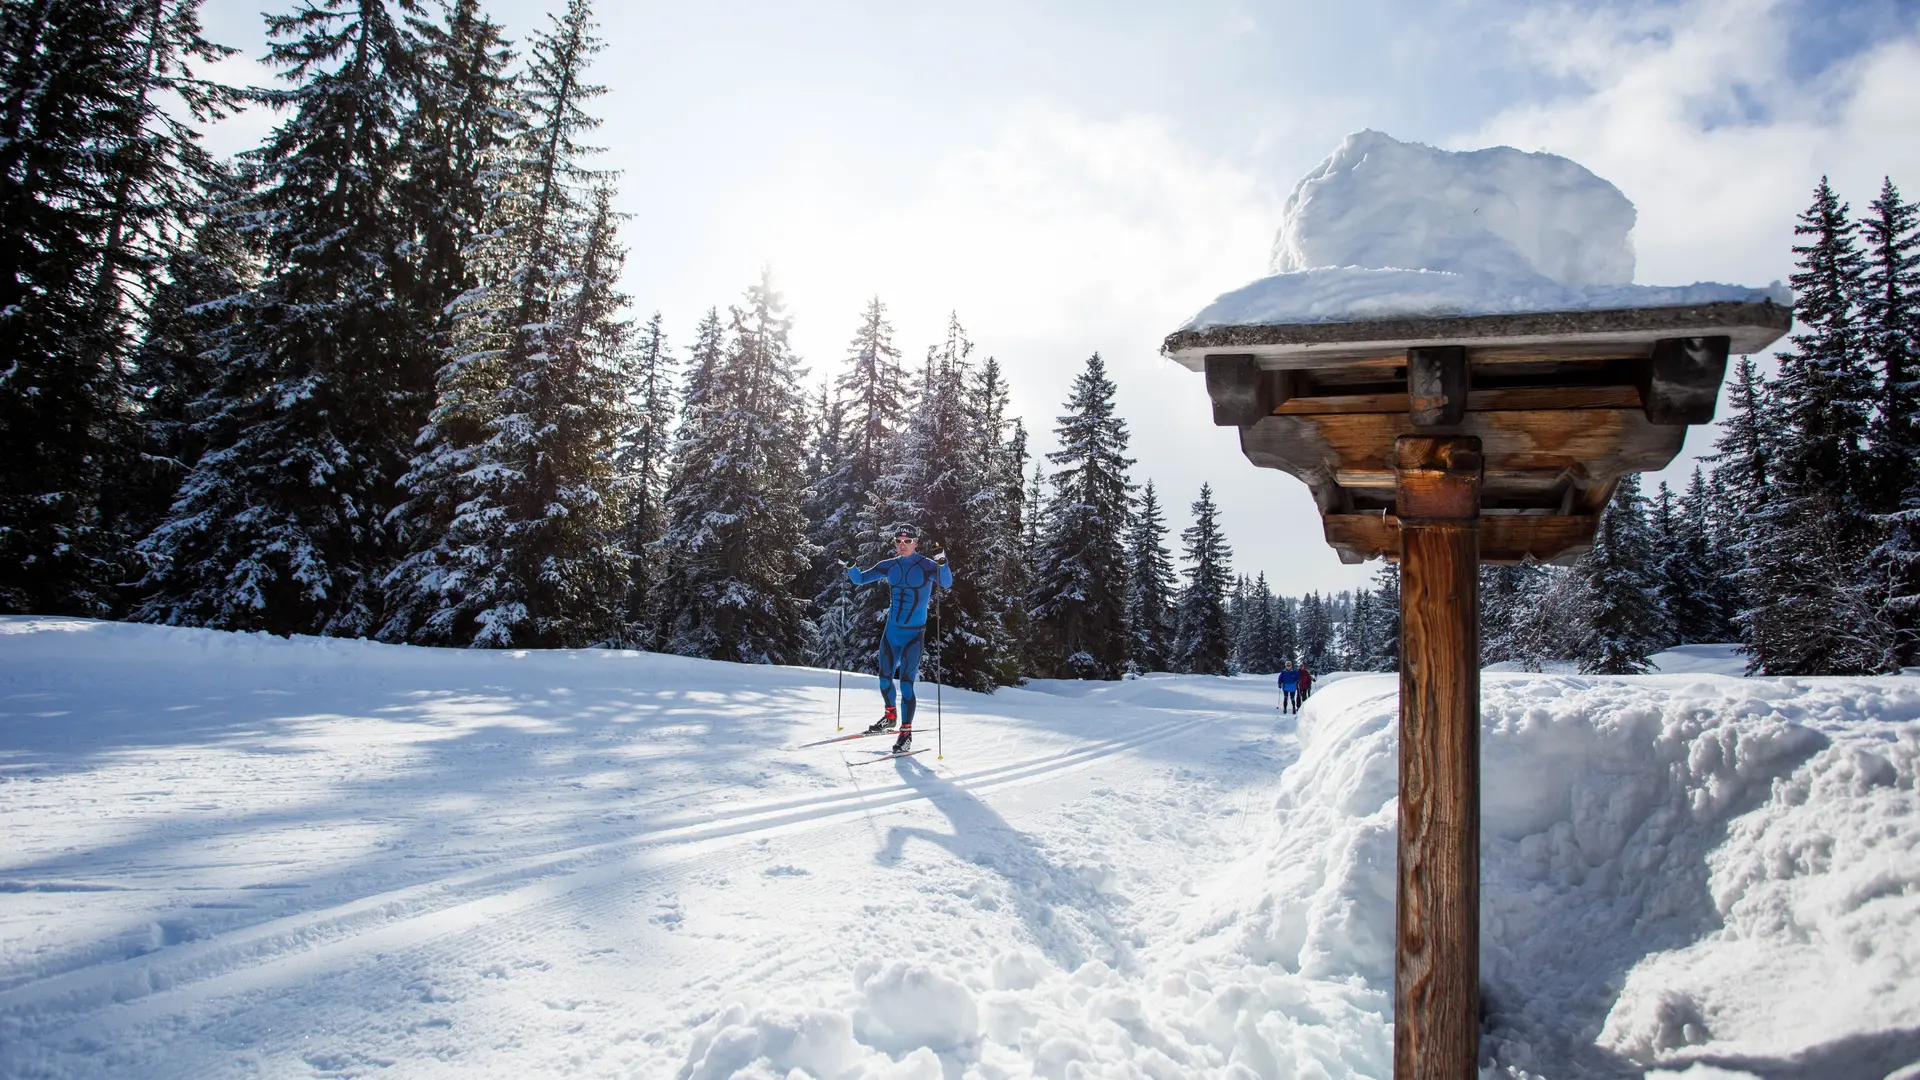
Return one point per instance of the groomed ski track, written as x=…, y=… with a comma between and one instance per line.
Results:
x=1047, y=833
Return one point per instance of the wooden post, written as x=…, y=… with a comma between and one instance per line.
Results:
x=1436, y=1030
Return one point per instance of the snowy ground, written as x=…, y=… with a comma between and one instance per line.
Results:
x=240, y=856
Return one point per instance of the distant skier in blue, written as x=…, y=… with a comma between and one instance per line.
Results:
x=911, y=577
x=1289, y=688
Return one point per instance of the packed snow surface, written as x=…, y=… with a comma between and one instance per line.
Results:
x=1386, y=229
x=233, y=855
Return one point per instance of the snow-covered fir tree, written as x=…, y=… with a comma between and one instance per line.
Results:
x=1505, y=595
x=1691, y=589
x=1742, y=468
x=1625, y=622
x=1078, y=605
x=102, y=176
x=1384, y=610
x=736, y=544
x=191, y=315
x=515, y=517
x=1810, y=609
x=870, y=398
x=1000, y=506
x=1316, y=634
x=941, y=477
x=643, y=460
x=1203, y=642
x=282, y=524
x=1253, y=635
x=1150, y=586
x=1890, y=311
x=1285, y=643
x=1359, y=651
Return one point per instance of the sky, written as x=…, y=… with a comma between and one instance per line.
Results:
x=1073, y=178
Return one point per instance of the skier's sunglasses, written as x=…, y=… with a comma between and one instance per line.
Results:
x=903, y=538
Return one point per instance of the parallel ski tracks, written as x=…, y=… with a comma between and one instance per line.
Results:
x=148, y=986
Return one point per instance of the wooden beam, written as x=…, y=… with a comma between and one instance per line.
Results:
x=1436, y=986
x=1437, y=385
x=1513, y=399
x=1241, y=391
x=1589, y=446
x=1504, y=538
x=1680, y=382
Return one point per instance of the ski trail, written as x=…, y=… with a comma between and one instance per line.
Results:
x=152, y=985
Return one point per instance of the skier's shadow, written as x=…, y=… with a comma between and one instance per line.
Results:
x=1067, y=916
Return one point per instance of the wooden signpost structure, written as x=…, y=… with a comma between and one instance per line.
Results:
x=1444, y=443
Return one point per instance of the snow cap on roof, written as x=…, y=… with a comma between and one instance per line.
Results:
x=1383, y=204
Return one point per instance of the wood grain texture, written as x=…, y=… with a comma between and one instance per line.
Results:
x=1436, y=1033
x=1504, y=538
x=1563, y=460
x=1514, y=399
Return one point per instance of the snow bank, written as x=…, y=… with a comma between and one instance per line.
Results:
x=1666, y=862
x=1385, y=229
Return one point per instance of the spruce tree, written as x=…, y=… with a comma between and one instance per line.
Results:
x=100, y=177
x=1255, y=638
x=1625, y=623
x=1386, y=617
x=515, y=518
x=1079, y=599
x=997, y=501
x=1316, y=634
x=1675, y=588
x=1742, y=476
x=1890, y=317
x=282, y=525
x=191, y=316
x=1203, y=643
x=1237, y=621
x=1360, y=652
x=1890, y=310
x=736, y=544
x=1691, y=584
x=871, y=399
x=1150, y=586
x=1285, y=643
x=941, y=479
x=1811, y=609
x=643, y=460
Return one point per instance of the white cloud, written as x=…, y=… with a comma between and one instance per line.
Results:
x=1689, y=110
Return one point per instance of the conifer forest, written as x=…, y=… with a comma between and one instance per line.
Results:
x=376, y=377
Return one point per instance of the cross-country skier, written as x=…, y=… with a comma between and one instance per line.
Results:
x=910, y=576
x=1306, y=685
x=1289, y=688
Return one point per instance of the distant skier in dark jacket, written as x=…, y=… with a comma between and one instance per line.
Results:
x=911, y=577
x=1306, y=684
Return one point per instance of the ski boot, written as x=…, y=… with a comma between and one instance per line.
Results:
x=905, y=742
x=885, y=723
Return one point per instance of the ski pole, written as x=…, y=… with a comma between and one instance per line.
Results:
x=839, y=669
x=939, y=674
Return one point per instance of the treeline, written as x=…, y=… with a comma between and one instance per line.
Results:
x=375, y=377
x=1802, y=542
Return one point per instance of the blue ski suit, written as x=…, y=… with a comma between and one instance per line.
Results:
x=910, y=579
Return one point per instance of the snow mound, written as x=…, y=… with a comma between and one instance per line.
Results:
x=1662, y=857
x=1380, y=203
x=1386, y=229
x=905, y=1006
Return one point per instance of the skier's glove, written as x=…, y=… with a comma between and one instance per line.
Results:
x=939, y=554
